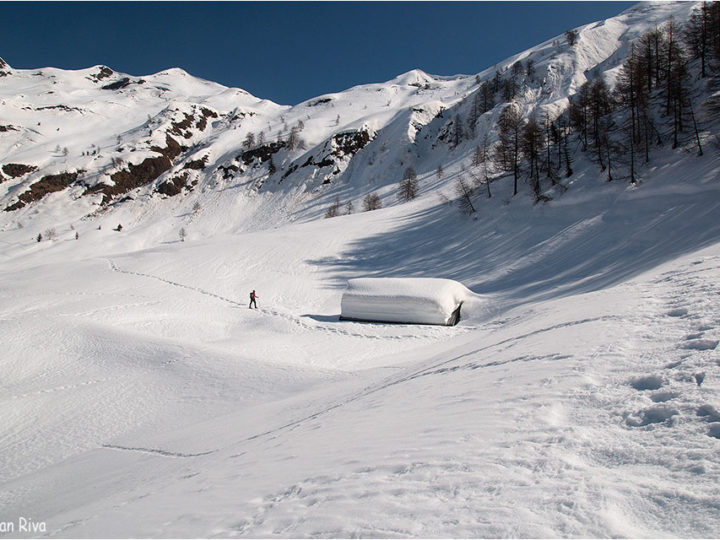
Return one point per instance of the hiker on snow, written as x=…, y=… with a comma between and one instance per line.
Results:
x=253, y=296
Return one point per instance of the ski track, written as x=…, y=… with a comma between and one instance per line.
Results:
x=444, y=333
x=439, y=368
x=434, y=369
x=586, y=407
x=654, y=335
x=155, y=451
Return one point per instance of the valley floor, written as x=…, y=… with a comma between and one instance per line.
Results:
x=139, y=403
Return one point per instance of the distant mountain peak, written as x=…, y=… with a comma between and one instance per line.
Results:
x=5, y=69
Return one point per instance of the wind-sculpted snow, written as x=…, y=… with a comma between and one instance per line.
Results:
x=404, y=300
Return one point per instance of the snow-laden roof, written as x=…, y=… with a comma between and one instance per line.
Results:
x=404, y=300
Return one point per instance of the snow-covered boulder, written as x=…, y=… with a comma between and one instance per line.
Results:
x=404, y=300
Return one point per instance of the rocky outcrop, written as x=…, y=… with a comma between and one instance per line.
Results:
x=122, y=83
x=172, y=150
x=16, y=170
x=47, y=184
x=181, y=128
x=319, y=101
x=60, y=107
x=103, y=73
x=261, y=153
x=228, y=172
x=4, y=68
x=350, y=142
x=173, y=186
x=205, y=113
x=144, y=173
x=197, y=164
x=336, y=153
x=194, y=119
x=341, y=145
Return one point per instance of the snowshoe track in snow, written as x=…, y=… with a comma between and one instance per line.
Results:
x=165, y=453
x=423, y=333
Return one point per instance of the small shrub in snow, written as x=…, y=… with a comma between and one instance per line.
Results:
x=464, y=192
x=408, y=185
x=371, y=202
x=249, y=141
x=571, y=37
x=334, y=209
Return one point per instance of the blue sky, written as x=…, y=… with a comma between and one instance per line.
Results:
x=285, y=51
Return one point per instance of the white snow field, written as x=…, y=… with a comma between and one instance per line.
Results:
x=579, y=395
x=142, y=398
x=406, y=300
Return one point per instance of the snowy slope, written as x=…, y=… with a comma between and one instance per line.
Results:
x=190, y=415
x=112, y=131
x=141, y=397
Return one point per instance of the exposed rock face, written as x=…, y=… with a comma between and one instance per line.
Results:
x=136, y=175
x=324, y=162
x=122, y=83
x=5, y=129
x=228, y=171
x=174, y=186
x=190, y=120
x=47, y=184
x=205, y=113
x=4, y=68
x=181, y=128
x=60, y=107
x=197, y=164
x=341, y=145
x=142, y=174
x=16, y=170
x=172, y=150
x=319, y=101
x=104, y=73
x=117, y=85
x=350, y=143
x=262, y=153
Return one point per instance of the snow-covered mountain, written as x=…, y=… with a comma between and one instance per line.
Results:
x=103, y=139
x=140, y=397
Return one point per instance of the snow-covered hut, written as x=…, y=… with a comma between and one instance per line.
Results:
x=404, y=300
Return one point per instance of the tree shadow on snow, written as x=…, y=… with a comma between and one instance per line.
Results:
x=533, y=252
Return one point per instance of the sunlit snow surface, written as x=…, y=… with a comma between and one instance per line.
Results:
x=405, y=300
x=140, y=396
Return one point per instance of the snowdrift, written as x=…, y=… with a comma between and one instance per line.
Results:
x=404, y=300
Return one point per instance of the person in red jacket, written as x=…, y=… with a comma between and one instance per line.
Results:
x=253, y=296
